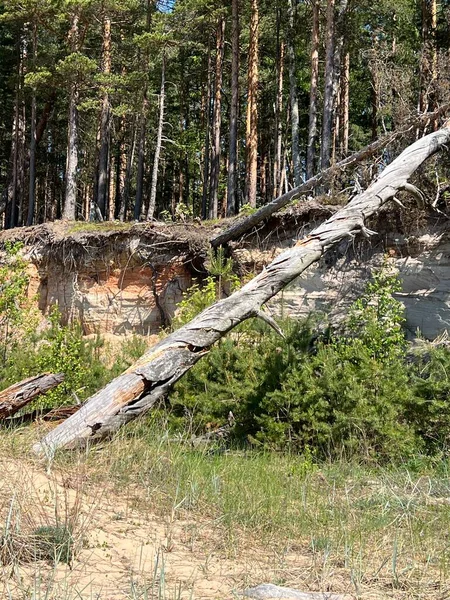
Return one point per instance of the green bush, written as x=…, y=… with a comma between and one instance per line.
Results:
x=353, y=392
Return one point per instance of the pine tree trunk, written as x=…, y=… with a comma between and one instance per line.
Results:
x=277, y=163
x=125, y=190
x=162, y=100
x=105, y=125
x=252, y=107
x=32, y=166
x=148, y=380
x=232, y=181
x=217, y=118
x=345, y=99
x=328, y=100
x=142, y=129
x=312, y=128
x=70, y=198
x=293, y=96
x=207, y=149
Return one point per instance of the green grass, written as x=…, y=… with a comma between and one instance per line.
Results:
x=88, y=227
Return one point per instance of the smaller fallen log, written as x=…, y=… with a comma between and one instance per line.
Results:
x=268, y=591
x=20, y=394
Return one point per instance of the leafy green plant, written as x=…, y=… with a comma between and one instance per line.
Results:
x=16, y=315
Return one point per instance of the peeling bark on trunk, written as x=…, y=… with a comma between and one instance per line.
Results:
x=18, y=395
x=151, y=377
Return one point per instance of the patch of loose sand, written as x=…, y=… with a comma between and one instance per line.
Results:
x=123, y=552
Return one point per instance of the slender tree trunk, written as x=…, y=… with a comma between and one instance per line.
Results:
x=312, y=128
x=162, y=99
x=217, y=119
x=125, y=194
x=70, y=199
x=345, y=99
x=151, y=377
x=105, y=124
x=207, y=150
x=232, y=181
x=374, y=95
x=327, y=122
x=32, y=167
x=142, y=132
x=277, y=163
x=252, y=107
x=293, y=96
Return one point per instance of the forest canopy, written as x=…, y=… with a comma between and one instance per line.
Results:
x=173, y=109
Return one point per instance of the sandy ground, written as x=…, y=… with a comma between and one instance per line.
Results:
x=123, y=552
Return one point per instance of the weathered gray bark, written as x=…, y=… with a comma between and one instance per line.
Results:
x=150, y=378
x=18, y=395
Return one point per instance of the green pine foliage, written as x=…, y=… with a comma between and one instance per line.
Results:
x=355, y=392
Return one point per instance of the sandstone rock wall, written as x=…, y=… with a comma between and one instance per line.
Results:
x=132, y=280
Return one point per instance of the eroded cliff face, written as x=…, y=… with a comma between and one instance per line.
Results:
x=413, y=240
x=131, y=280
x=111, y=281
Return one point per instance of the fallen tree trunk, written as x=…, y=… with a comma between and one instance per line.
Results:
x=237, y=229
x=150, y=378
x=18, y=395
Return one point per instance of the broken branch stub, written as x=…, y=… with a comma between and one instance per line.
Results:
x=22, y=393
x=144, y=383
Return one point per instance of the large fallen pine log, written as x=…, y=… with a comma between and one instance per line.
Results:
x=241, y=226
x=20, y=394
x=144, y=383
